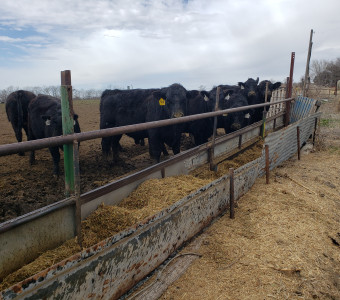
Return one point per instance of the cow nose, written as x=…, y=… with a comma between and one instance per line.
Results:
x=236, y=126
x=252, y=93
x=178, y=114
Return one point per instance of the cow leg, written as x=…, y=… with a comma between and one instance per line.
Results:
x=18, y=135
x=56, y=159
x=155, y=145
x=32, y=157
x=165, y=152
x=116, y=147
x=106, y=147
x=176, y=148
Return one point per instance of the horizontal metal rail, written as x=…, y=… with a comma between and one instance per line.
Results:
x=13, y=148
x=88, y=196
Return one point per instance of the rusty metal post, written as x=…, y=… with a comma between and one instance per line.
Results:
x=240, y=141
x=77, y=191
x=232, y=194
x=267, y=163
x=298, y=141
x=290, y=86
x=315, y=127
x=212, y=148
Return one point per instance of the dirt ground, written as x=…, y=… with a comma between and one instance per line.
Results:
x=284, y=242
x=24, y=188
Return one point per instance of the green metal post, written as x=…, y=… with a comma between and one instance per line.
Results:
x=67, y=119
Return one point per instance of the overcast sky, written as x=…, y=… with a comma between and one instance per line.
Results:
x=154, y=43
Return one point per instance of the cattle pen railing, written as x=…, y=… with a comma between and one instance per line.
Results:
x=78, y=199
x=14, y=148
x=89, y=201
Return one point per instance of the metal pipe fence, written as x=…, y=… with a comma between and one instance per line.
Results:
x=14, y=148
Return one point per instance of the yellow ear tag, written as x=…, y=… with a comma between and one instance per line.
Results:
x=161, y=101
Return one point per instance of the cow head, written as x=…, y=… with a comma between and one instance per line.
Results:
x=249, y=89
x=172, y=100
x=53, y=124
x=271, y=87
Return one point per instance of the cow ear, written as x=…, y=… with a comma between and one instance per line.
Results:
x=205, y=95
x=241, y=85
x=227, y=94
x=160, y=97
x=257, y=80
x=276, y=85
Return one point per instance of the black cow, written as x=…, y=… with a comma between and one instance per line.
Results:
x=235, y=120
x=257, y=113
x=249, y=89
x=16, y=110
x=170, y=102
x=198, y=103
x=45, y=120
x=120, y=108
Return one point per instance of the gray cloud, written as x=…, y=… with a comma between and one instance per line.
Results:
x=155, y=43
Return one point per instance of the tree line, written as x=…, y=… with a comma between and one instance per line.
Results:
x=53, y=91
x=325, y=73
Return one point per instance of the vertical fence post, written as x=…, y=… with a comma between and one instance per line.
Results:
x=267, y=163
x=232, y=193
x=212, y=148
x=264, y=114
x=67, y=119
x=298, y=141
x=77, y=192
x=289, y=88
x=315, y=128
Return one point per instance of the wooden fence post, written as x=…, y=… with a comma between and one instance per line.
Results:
x=68, y=128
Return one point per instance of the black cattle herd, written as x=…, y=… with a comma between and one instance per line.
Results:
x=40, y=116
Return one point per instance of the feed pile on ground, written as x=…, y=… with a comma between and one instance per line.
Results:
x=149, y=198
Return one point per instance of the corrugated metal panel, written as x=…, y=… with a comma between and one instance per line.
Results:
x=283, y=144
x=301, y=108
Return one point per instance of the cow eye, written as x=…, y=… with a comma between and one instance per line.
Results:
x=48, y=122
